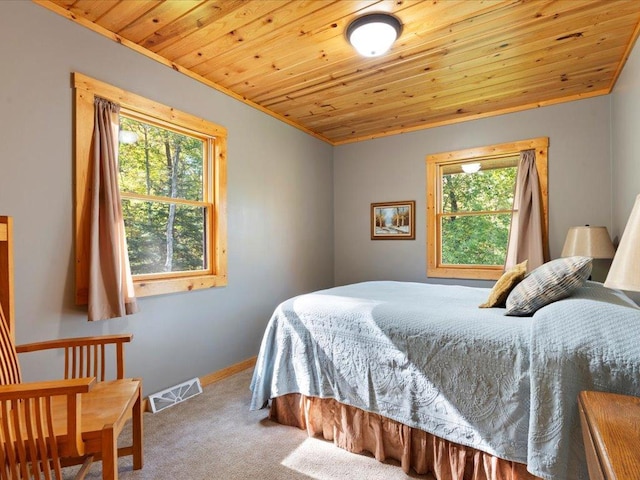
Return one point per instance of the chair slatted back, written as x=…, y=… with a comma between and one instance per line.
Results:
x=9, y=367
x=29, y=448
x=6, y=270
x=85, y=361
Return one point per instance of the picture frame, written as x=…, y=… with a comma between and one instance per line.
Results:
x=393, y=220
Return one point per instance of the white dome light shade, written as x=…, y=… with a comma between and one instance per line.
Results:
x=372, y=35
x=127, y=137
x=470, y=167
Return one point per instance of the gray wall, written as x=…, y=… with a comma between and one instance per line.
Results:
x=625, y=144
x=279, y=204
x=393, y=168
x=625, y=141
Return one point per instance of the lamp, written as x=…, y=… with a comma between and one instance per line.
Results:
x=624, y=273
x=588, y=241
x=470, y=167
x=373, y=34
x=127, y=137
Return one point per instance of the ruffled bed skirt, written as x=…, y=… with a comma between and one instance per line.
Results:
x=358, y=431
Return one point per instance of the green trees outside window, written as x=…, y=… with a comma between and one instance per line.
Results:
x=476, y=214
x=162, y=186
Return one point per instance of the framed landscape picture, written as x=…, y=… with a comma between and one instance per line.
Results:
x=393, y=220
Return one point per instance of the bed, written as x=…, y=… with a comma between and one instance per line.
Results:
x=418, y=373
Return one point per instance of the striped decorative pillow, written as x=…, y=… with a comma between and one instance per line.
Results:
x=549, y=282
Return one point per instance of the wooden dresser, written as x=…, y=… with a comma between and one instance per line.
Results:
x=611, y=432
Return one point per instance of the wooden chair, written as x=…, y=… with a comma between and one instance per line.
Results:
x=48, y=425
x=29, y=444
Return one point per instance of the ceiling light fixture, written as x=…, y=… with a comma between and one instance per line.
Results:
x=470, y=167
x=373, y=34
x=127, y=137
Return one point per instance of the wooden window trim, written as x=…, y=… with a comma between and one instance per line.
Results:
x=85, y=90
x=434, y=267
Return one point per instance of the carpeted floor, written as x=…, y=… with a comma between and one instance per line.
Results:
x=215, y=436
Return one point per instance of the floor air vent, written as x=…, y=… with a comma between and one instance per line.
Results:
x=176, y=394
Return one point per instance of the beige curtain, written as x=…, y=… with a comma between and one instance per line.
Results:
x=525, y=234
x=110, y=285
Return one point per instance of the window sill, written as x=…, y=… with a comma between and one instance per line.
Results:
x=146, y=288
x=478, y=273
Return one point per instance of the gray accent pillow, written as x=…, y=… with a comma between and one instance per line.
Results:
x=549, y=282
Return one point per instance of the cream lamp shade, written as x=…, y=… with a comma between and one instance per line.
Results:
x=588, y=241
x=624, y=273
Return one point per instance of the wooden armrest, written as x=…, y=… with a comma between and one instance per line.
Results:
x=71, y=389
x=74, y=342
x=47, y=388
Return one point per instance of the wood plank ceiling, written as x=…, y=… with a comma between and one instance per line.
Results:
x=456, y=60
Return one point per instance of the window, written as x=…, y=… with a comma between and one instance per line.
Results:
x=164, y=194
x=172, y=174
x=469, y=208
